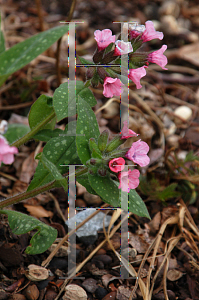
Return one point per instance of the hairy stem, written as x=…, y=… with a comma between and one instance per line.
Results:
x=31, y=133
x=37, y=191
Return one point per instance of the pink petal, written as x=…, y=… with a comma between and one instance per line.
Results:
x=122, y=47
x=126, y=132
x=117, y=164
x=136, y=74
x=112, y=87
x=138, y=153
x=124, y=181
x=134, y=179
x=128, y=180
x=140, y=147
x=158, y=58
x=6, y=152
x=141, y=160
x=8, y=158
x=150, y=33
x=104, y=38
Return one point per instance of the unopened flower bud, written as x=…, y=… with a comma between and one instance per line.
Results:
x=91, y=172
x=90, y=72
x=93, y=161
x=138, y=59
x=95, y=79
x=102, y=172
x=102, y=72
x=109, y=57
x=97, y=57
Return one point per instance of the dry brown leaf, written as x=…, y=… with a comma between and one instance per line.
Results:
x=190, y=53
x=38, y=211
x=138, y=243
x=28, y=168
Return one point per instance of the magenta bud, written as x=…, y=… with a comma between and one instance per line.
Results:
x=102, y=172
x=97, y=57
x=102, y=72
x=91, y=172
x=90, y=72
x=93, y=161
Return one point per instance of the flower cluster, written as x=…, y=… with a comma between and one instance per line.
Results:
x=108, y=158
x=110, y=50
x=138, y=154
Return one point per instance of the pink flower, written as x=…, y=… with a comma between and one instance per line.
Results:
x=150, y=33
x=136, y=74
x=138, y=153
x=126, y=132
x=6, y=152
x=128, y=180
x=117, y=164
x=158, y=58
x=104, y=38
x=122, y=47
x=112, y=86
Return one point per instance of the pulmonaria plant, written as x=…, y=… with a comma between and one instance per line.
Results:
x=99, y=163
x=110, y=51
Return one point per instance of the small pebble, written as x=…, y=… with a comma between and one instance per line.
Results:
x=184, y=112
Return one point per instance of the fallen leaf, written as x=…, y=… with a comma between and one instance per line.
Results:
x=38, y=211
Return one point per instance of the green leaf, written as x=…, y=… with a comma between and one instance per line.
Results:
x=87, y=127
x=62, y=107
x=21, y=223
x=114, y=144
x=59, y=151
x=22, y=53
x=109, y=48
x=168, y=192
x=106, y=188
x=46, y=134
x=137, y=205
x=83, y=180
x=103, y=140
x=54, y=172
x=40, y=110
x=2, y=40
x=191, y=157
x=15, y=132
x=95, y=152
x=85, y=61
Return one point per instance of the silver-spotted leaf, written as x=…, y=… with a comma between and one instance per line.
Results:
x=21, y=223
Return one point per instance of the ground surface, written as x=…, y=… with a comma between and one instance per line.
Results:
x=169, y=186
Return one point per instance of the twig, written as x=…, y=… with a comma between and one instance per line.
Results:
x=78, y=268
x=16, y=106
x=147, y=109
x=40, y=15
x=57, y=206
x=131, y=106
x=72, y=8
